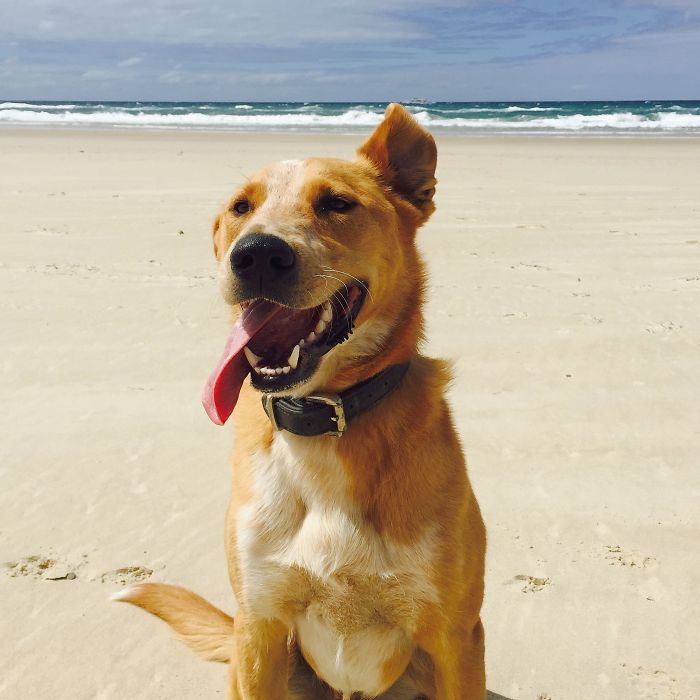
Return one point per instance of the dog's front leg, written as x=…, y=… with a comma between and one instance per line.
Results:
x=458, y=660
x=259, y=670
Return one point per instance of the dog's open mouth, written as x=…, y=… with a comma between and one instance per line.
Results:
x=281, y=346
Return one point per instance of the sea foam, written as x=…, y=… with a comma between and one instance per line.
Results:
x=581, y=118
x=351, y=117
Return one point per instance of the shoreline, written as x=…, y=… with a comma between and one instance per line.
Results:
x=442, y=133
x=585, y=118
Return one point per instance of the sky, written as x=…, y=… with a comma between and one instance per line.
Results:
x=349, y=50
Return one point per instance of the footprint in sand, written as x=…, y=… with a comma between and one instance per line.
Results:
x=533, y=266
x=616, y=556
x=69, y=270
x=44, y=231
x=37, y=566
x=663, y=328
x=126, y=575
x=532, y=584
x=652, y=684
x=590, y=318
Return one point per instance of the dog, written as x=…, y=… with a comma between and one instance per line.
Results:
x=354, y=541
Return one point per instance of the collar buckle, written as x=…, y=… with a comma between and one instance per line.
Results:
x=303, y=415
x=336, y=403
x=269, y=406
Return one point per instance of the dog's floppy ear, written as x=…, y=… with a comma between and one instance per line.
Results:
x=406, y=156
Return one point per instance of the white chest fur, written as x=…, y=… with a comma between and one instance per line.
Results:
x=308, y=557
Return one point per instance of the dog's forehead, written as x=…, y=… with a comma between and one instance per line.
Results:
x=282, y=175
x=289, y=178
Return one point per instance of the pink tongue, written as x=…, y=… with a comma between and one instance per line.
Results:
x=224, y=384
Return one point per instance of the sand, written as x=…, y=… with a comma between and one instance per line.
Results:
x=565, y=286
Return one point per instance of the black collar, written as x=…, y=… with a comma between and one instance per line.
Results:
x=329, y=414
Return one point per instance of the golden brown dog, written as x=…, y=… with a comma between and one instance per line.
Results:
x=357, y=560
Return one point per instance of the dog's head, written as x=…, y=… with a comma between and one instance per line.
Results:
x=320, y=256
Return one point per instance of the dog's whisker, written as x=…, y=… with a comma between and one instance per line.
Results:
x=335, y=303
x=338, y=308
x=311, y=299
x=346, y=311
x=360, y=282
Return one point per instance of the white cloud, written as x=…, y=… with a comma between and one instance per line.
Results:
x=100, y=75
x=171, y=77
x=690, y=6
x=337, y=49
x=127, y=62
x=275, y=23
x=661, y=41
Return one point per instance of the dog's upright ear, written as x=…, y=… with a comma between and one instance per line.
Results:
x=406, y=156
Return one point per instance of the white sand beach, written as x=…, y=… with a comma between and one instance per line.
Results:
x=565, y=286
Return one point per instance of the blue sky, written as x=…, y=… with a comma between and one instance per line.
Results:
x=350, y=50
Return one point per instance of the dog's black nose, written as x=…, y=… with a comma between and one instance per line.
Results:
x=262, y=257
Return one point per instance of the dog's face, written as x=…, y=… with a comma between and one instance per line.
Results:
x=332, y=243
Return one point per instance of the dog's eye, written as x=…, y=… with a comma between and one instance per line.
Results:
x=337, y=204
x=241, y=207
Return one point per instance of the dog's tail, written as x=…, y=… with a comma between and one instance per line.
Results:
x=203, y=628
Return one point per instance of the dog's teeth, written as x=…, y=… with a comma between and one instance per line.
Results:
x=302, y=342
x=287, y=369
x=251, y=356
x=311, y=337
x=294, y=357
x=278, y=370
x=320, y=327
x=327, y=314
x=257, y=370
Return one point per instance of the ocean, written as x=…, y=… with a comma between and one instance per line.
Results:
x=537, y=118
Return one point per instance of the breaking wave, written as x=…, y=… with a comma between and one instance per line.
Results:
x=619, y=121
x=447, y=117
x=352, y=117
x=27, y=105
